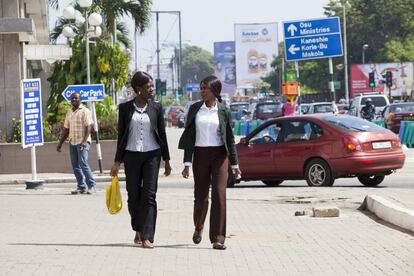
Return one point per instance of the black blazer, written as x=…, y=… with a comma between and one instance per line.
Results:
x=155, y=114
x=187, y=140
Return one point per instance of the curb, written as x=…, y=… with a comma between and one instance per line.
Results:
x=390, y=212
x=59, y=180
x=72, y=179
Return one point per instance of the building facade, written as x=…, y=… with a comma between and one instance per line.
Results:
x=21, y=22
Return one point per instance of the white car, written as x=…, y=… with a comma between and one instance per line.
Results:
x=378, y=100
x=322, y=107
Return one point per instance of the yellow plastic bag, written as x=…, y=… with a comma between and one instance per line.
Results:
x=113, y=197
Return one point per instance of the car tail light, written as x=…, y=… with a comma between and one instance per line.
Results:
x=396, y=143
x=352, y=144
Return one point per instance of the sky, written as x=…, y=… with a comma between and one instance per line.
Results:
x=206, y=22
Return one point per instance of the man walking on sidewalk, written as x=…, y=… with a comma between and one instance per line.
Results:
x=78, y=125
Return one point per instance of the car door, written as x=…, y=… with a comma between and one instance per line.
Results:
x=295, y=144
x=256, y=156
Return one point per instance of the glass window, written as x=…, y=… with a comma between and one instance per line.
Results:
x=351, y=123
x=267, y=135
x=376, y=101
x=269, y=108
x=301, y=131
x=402, y=108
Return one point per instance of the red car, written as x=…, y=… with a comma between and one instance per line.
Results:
x=319, y=148
x=395, y=113
x=173, y=114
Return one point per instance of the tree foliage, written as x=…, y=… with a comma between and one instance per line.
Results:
x=376, y=23
x=111, y=11
x=106, y=62
x=196, y=64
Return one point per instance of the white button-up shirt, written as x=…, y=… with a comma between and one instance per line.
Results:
x=207, y=127
x=141, y=134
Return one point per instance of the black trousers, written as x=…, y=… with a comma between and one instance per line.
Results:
x=141, y=171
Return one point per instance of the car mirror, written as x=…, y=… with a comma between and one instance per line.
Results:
x=243, y=141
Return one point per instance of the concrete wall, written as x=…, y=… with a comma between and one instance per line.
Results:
x=10, y=71
x=14, y=159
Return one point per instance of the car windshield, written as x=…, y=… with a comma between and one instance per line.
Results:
x=269, y=108
x=325, y=108
x=399, y=108
x=351, y=123
x=376, y=101
x=237, y=107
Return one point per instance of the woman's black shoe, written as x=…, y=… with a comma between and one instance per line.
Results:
x=196, y=237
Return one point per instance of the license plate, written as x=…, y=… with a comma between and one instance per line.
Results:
x=381, y=145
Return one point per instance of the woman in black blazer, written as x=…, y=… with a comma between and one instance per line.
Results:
x=141, y=144
x=208, y=137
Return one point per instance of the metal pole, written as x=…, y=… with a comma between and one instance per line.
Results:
x=114, y=39
x=345, y=54
x=332, y=79
x=136, y=49
x=180, y=54
x=297, y=75
x=158, y=53
x=363, y=56
x=92, y=106
x=33, y=147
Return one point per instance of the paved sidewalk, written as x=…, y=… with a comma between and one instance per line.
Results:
x=50, y=232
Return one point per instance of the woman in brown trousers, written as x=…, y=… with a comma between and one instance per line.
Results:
x=208, y=140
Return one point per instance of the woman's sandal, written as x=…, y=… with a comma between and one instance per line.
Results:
x=137, y=239
x=147, y=244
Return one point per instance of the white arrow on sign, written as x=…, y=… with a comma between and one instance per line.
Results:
x=292, y=49
x=292, y=29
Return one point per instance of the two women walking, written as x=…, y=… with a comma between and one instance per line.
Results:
x=208, y=144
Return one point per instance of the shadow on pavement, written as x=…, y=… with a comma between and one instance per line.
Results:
x=385, y=223
x=172, y=246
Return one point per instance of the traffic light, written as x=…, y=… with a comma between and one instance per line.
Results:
x=161, y=87
x=180, y=91
x=371, y=79
x=388, y=79
x=263, y=92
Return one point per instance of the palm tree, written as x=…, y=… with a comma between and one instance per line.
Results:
x=111, y=10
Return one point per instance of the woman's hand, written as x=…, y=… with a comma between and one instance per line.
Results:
x=236, y=173
x=115, y=169
x=167, y=167
x=186, y=172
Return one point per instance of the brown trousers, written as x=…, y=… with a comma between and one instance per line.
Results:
x=210, y=167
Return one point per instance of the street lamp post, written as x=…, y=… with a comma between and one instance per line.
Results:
x=345, y=53
x=364, y=48
x=95, y=20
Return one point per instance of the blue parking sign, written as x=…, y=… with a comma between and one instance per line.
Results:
x=31, y=113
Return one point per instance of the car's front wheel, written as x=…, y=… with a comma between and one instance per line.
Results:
x=272, y=183
x=371, y=180
x=318, y=173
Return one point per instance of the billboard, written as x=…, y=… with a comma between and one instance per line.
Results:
x=256, y=44
x=224, y=66
x=402, y=78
